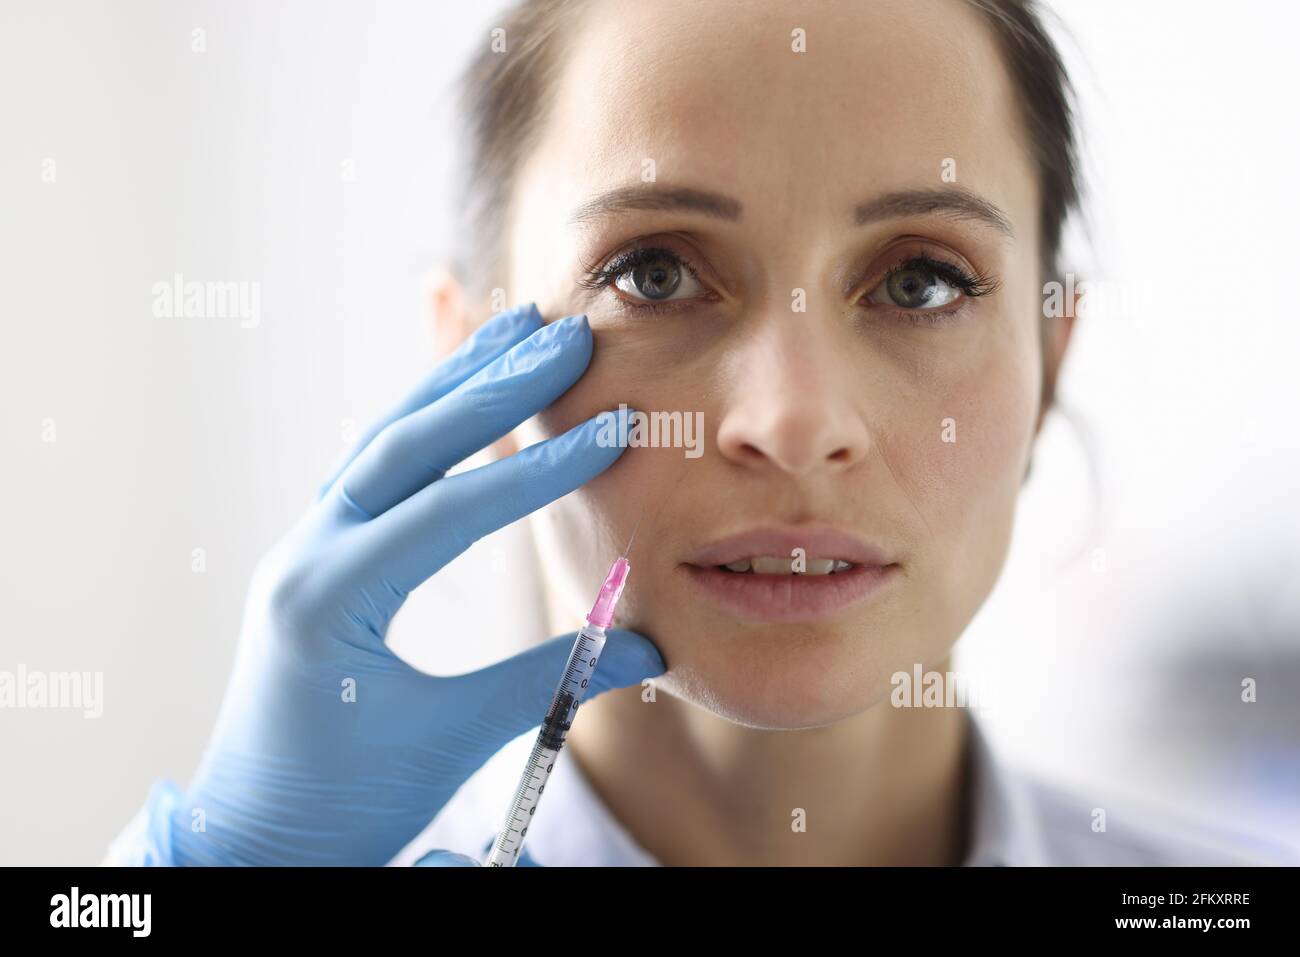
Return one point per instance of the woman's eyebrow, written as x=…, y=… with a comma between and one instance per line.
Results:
x=953, y=202
x=655, y=197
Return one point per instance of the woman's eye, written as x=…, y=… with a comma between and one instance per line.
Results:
x=655, y=277
x=915, y=286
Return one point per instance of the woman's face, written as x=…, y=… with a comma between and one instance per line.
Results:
x=897, y=408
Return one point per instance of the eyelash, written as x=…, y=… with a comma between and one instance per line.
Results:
x=599, y=278
x=971, y=286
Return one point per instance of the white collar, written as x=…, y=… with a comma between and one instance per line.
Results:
x=574, y=827
x=1008, y=828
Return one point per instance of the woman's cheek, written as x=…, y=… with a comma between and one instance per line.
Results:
x=582, y=532
x=975, y=463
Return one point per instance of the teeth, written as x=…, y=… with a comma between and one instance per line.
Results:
x=768, y=565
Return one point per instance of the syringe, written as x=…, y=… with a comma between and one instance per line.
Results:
x=559, y=716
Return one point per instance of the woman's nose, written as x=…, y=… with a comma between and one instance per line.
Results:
x=790, y=411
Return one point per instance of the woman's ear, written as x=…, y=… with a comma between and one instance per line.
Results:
x=454, y=320
x=451, y=321
x=1056, y=340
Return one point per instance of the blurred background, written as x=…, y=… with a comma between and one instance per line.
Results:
x=148, y=462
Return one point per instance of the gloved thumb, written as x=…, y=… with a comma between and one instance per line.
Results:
x=514, y=695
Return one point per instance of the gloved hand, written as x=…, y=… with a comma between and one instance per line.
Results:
x=328, y=748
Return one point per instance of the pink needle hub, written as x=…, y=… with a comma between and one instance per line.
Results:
x=602, y=613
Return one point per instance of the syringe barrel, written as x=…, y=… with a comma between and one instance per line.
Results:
x=574, y=685
x=572, y=690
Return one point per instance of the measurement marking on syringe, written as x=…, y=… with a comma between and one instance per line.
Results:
x=558, y=720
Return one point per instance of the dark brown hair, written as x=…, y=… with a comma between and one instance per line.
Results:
x=503, y=101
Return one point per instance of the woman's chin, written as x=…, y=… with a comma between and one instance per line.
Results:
x=773, y=700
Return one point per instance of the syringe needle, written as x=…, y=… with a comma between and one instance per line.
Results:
x=634, y=531
x=657, y=511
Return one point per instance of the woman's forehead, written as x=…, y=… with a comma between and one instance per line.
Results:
x=881, y=96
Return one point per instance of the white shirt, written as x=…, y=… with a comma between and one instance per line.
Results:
x=1020, y=820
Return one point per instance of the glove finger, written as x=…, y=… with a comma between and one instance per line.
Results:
x=490, y=341
x=446, y=859
x=418, y=449
x=409, y=543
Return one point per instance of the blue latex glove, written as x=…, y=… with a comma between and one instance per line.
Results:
x=295, y=772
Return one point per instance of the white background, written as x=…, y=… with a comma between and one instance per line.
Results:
x=172, y=435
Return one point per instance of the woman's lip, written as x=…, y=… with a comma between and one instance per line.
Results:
x=780, y=541
x=789, y=598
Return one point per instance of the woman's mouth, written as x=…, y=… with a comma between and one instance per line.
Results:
x=772, y=565
x=826, y=571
